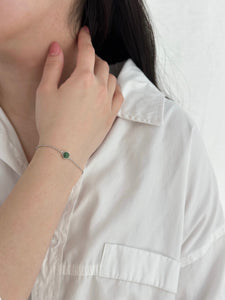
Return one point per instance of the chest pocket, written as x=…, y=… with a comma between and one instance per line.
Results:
x=139, y=266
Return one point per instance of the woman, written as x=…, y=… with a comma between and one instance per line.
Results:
x=144, y=219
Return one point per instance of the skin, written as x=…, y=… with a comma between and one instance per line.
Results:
x=27, y=29
x=83, y=110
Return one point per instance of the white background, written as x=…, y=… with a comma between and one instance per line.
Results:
x=190, y=37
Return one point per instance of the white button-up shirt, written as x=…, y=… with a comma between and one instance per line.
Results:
x=144, y=221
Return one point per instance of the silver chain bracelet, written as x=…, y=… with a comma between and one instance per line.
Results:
x=64, y=154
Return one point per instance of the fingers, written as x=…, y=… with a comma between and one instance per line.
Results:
x=85, y=52
x=53, y=68
x=118, y=99
x=112, y=82
x=101, y=70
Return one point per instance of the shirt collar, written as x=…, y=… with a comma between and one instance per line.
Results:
x=143, y=103
x=11, y=151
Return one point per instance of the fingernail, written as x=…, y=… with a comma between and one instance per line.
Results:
x=86, y=29
x=54, y=49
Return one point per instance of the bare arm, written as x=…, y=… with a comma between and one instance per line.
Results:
x=83, y=109
x=28, y=220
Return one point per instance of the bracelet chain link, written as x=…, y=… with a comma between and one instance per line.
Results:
x=64, y=154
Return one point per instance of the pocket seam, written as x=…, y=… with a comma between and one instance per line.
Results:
x=131, y=264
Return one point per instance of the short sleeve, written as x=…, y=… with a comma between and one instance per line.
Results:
x=202, y=272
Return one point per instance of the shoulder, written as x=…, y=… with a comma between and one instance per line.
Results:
x=176, y=118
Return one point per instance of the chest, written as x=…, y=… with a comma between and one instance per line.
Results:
x=120, y=234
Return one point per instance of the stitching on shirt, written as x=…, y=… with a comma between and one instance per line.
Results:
x=137, y=118
x=147, y=252
x=154, y=284
x=94, y=270
x=199, y=253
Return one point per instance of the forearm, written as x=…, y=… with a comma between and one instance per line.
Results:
x=28, y=219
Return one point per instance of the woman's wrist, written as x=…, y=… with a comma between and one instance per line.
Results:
x=76, y=154
x=65, y=168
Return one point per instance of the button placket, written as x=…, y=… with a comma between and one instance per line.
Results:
x=48, y=281
x=52, y=267
x=54, y=241
x=57, y=239
x=64, y=229
x=59, y=235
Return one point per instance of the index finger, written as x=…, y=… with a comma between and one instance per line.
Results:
x=85, y=52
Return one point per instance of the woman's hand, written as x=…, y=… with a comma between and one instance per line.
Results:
x=78, y=115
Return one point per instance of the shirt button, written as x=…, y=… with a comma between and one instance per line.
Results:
x=54, y=241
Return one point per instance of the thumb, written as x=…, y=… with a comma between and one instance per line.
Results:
x=53, y=67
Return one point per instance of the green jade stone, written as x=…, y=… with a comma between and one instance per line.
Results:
x=66, y=154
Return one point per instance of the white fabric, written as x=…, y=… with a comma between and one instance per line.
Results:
x=191, y=62
x=145, y=220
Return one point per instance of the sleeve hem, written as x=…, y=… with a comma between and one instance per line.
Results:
x=197, y=254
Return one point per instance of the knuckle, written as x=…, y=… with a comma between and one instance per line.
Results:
x=87, y=78
x=120, y=97
x=105, y=65
x=113, y=77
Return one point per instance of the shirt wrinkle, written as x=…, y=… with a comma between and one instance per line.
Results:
x=146, y=207
x=200, y=252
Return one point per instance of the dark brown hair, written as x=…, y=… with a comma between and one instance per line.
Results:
x=120, y=29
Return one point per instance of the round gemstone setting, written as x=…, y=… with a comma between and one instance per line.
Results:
x=66, y=155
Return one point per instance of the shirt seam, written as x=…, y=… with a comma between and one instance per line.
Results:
x=200, y=252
